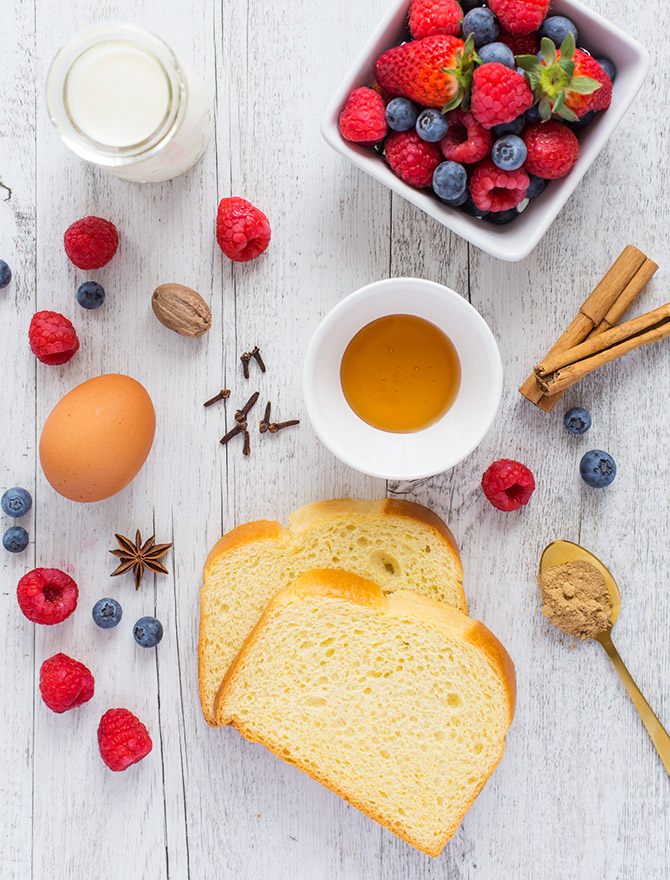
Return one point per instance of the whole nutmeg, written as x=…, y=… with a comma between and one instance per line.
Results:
x=181, y=309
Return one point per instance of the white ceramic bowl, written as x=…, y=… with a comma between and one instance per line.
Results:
x=422, y=453
x=517, y=240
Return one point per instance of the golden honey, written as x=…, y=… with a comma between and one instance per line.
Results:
x=400, y=373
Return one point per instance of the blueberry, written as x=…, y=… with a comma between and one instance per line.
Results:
x=467, y=5
x=501, y=218
x=148, y=632
x=557, y=27
x=106, y=613
x=497, y=52
x=513, y=127
x=482, y=24
x=583, y=121
x=536, y=186
x=608, y=66
x=431, y=125
x=401, y=114
x=15, y=539
x=458, y=201
x=90, y=295
x=597, y=468
x=577, y=420
x=450, y=180
x=509, y=152
x=16, y=502
x=533, y=114
x=5, y=274
x=470, y=208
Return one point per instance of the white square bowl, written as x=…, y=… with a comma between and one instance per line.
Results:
x=517, y=240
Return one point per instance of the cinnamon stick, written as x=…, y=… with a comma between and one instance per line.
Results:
x=560, y=371
x=592, y=312
x=626, y=297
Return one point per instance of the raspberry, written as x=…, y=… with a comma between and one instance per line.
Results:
x=520, y=44
x=499, y=94
x=493, y=189
x=411, y=158
x=242, y=231
x=91, y=242
x=123, y=739
x=466, y=141
x=65, y=683
x=53, y=340
x=363, y=119
x=520, y=16
x=430, y=17
x=47, y=595
x=552, y=149
x=508, y=484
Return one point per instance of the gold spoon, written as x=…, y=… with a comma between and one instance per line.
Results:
x=560, y=552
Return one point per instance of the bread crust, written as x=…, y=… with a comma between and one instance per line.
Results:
x=304, y=518
x=333, y=583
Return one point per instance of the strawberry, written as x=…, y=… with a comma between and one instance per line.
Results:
x=552, y=149
x=567, y=83
x=421, y=71
x=520, y=16
x=498, y=94
x=430, y=17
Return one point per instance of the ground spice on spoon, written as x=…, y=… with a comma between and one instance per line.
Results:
x=576, y=599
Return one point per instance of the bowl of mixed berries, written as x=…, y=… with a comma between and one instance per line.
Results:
x=486, y=113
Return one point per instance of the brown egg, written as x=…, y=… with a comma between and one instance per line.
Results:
x=97, y=438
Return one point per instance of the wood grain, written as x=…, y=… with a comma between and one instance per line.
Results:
x=580, y=792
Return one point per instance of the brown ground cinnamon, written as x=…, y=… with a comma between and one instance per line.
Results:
x=576, y=599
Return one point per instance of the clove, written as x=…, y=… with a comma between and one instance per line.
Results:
x=241, y=414
x=264, y=423
x=246, y=449
x=234, y=431
x=279, y=426
x=256, y=354
x=245, y=358
x=224, y=394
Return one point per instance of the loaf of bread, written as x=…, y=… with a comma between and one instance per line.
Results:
x=397, y=703
x=397, y=544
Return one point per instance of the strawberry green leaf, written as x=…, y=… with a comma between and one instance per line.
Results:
x=567, y=65
x=545, y=109
x=568, y=46
x=566, y=113
x=548, y=51
x=584, y=85
x=529, y=63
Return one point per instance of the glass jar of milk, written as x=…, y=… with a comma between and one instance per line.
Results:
x=120, y=97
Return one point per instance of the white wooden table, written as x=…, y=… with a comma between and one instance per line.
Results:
x=580, y=792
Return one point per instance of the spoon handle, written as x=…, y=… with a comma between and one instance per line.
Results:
x=659, y=735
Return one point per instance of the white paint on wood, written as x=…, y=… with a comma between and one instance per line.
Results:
x=580, y=792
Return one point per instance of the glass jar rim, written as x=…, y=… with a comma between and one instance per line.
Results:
x=87, y=147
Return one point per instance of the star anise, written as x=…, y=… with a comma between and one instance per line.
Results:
x=139, y=556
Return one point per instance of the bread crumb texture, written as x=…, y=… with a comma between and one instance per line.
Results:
x=395, y=551
x=392, y=708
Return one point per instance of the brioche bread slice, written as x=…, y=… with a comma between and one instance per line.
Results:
x=395, y=543
x=399, y=704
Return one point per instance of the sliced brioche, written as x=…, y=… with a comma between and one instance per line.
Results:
x=395, y=543
x=399, y=704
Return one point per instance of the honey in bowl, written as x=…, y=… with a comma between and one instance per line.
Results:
x=400, y=373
